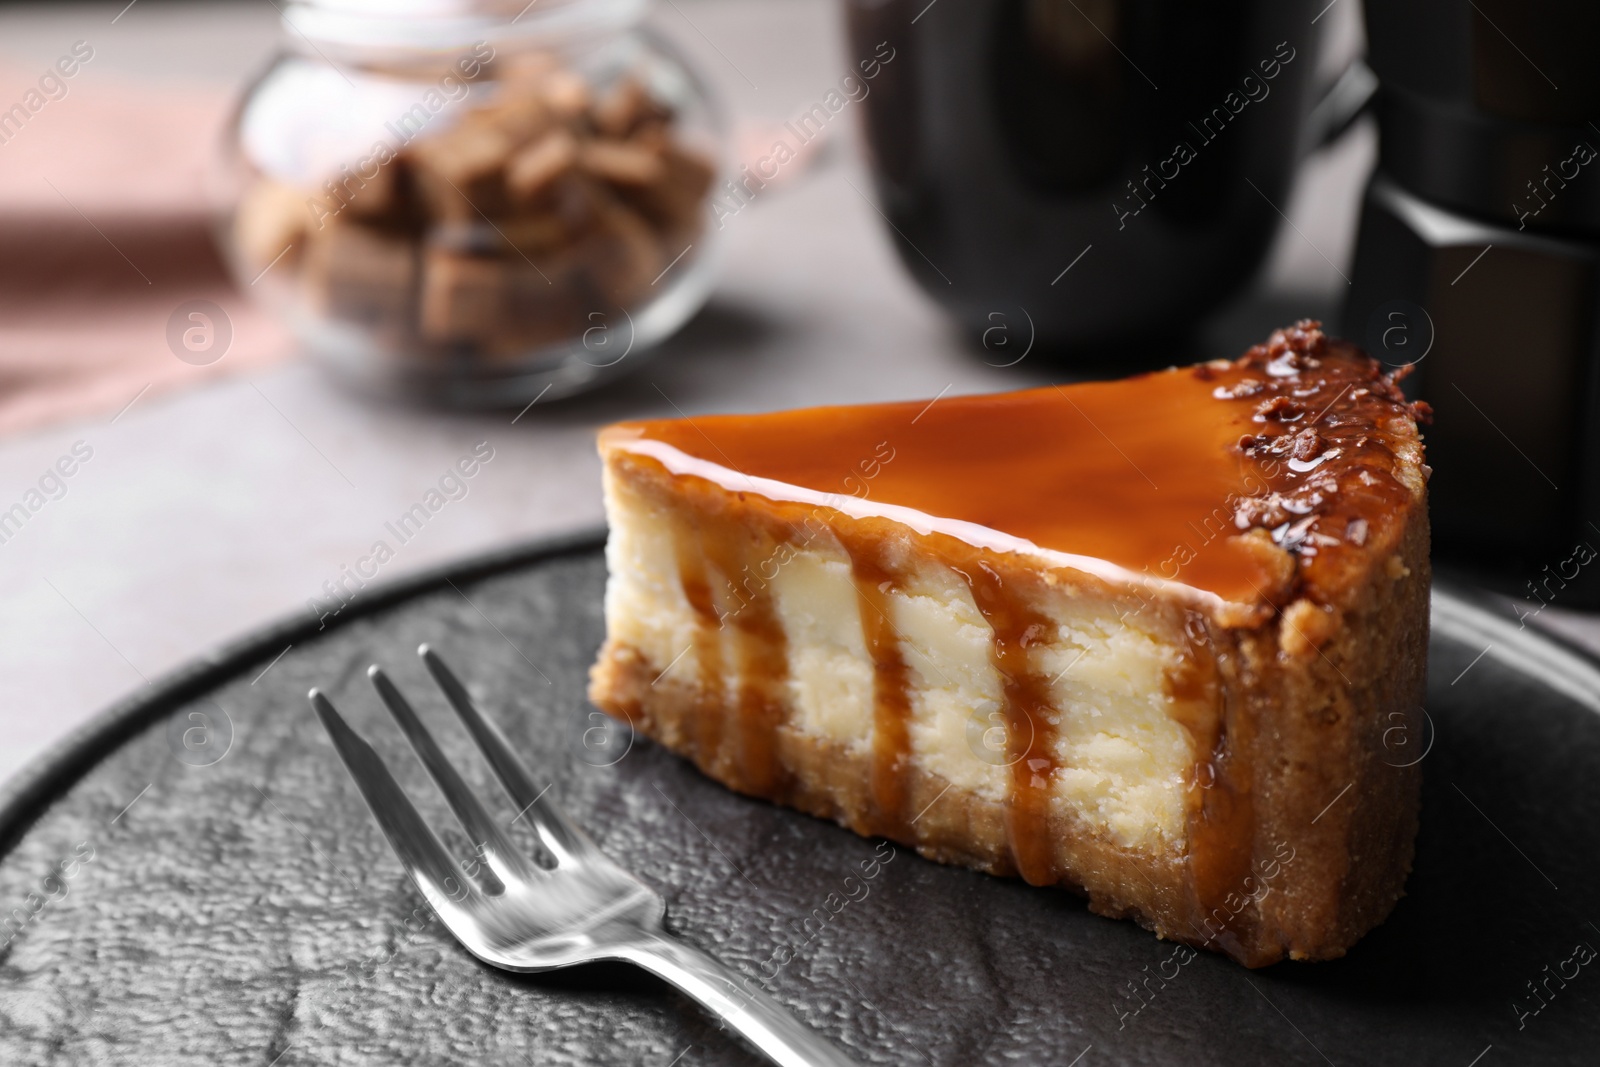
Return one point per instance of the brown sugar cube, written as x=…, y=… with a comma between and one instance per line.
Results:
x=522, y=71
x=468, y=237
x=523, y=117
x=271, y=217
x=463, y=297
x=442, y=202
x=360, y=274
x=459, y=172
x=690, y=172
x=653, y=136
x=573, y=199
x=532, y=170
x=370, y=194
x=566, y=93
x=621, y=163
x=676, y=201
x=467, y=153
x=516, y=110
x=615, y=114
x=625, y=108
x=542, y=308
x=622, y=254
x=535, y=233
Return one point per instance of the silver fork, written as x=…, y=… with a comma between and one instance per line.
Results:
x=530, y=918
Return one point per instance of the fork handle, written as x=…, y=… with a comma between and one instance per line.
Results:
x=736, y=1000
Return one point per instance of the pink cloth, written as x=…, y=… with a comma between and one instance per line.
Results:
x=105, y=231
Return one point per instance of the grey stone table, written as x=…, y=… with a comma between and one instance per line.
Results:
x=207, y=513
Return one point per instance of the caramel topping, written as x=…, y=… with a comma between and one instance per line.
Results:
x=760, y=669
x=741, y=649
x=1152, y=477
x=1259, y=482
x=694, y=574
x=1030, y=734
x=875, y=579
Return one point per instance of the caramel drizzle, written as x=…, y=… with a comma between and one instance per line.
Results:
x=875, y=582
x=1222, y=810
x=706, y=739
x=739, y=741
x=1029, y=733
x=761, y=664
x=1030, y=736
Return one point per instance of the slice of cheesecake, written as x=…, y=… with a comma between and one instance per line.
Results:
x=1159, y=640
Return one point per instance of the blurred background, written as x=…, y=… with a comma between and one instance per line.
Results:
x=199, y=434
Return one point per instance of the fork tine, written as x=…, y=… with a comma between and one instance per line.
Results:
x=561, y=836
x=420, y=852
x=503, y=855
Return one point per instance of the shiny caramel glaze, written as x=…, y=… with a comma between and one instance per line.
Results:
x=1030, y=735
x=1160, y=475
x=1248, y=484
x=875, y=579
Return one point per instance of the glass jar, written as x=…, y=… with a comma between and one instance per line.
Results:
x=473, y=201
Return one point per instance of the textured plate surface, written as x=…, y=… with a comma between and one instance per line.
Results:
x=196, y=881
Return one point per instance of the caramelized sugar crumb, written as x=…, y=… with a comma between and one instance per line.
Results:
x=1306, y=628
x=1327, y=454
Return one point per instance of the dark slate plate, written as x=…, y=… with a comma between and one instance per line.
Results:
x=245, y=909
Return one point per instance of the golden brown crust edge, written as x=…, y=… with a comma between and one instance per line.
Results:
x=1336, y=735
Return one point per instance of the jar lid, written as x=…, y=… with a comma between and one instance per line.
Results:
x=445, y=25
